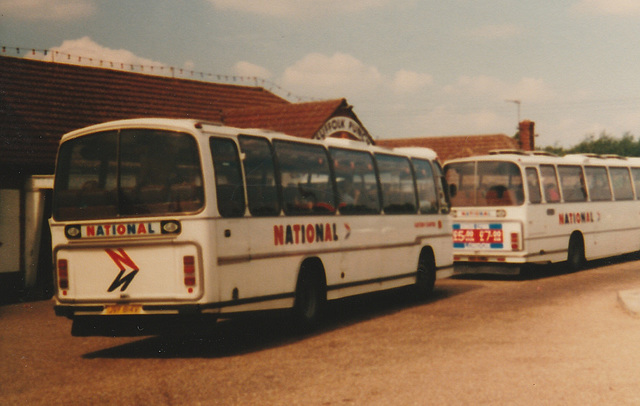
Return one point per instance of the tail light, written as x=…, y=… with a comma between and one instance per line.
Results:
x=63, y=274
x=189, y=270
x=515, y=242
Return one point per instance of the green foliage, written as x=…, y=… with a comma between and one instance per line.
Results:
x=604, y=144
x=555, y=150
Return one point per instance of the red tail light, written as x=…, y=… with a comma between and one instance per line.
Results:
x=189, y=269
x=515, y=242
x=63, y=274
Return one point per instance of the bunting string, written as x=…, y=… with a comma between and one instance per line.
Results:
x=54, y=56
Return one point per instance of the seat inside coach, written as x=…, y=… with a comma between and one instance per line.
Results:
x=494, y=195
x=498, y=195
x=308, y=198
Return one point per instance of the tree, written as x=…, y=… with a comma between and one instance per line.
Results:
x=604, y=144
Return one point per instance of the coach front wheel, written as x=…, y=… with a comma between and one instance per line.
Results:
x=576, y=259
x=310, y=299
x=426, y=275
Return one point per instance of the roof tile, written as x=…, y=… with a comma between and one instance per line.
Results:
x=40, y=101
x=450, y=147
x=301, y=119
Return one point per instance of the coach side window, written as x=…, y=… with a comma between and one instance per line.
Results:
x=636, y=180
x=305, y=176
x=356, y=181
x=598, y=183
x=621, y=181
x=260, y=174
x=550, y=183
x=443, y=188
x=425, y=182
x=533, y=185
x=229, y=187
x=398, y=188
x=572, y=183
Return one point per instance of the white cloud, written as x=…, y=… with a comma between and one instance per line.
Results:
x=297, y=8
x=529, y=89
x=447, y=120
x=244, y=68
x=84, y=51
x=496, y=31
x=475, y=84
x=410, y=103
x=55, y=10
x=608, y=7
x=405, y=82
x=339, y=75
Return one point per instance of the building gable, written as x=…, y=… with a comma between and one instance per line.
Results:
x=319, y=119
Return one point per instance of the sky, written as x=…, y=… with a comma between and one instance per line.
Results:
x=410, y=68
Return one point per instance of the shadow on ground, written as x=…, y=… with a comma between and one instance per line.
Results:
x=534, y=271
x=262, y=331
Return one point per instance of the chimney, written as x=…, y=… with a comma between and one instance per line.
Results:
x=527, y=134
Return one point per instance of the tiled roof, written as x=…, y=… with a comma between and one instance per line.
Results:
x=455, y=146
x=40, y=101
x=300, y=119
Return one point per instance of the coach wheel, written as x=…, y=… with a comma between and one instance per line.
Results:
x=426, y=275
x=309, y=300
x=576, y=258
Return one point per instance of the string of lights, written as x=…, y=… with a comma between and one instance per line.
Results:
x=55, y=56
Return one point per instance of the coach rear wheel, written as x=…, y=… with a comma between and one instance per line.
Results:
x=426, y=275
x=576, y=258
x=309, y=300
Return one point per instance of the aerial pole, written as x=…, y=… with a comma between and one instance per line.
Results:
x=517, y=103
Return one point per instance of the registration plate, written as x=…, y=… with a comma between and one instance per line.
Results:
x=477, y=236
x=123, y=309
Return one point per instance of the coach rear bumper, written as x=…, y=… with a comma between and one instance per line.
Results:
x=492, y=268
x=71, y=311
x=94, y=320
x=504, y=263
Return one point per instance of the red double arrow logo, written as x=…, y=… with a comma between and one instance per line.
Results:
x=123, y=262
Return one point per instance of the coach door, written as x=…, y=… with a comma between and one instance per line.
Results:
x=543, y=210
x=231, y=229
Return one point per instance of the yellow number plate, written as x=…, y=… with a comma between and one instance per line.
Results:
x=123, y=309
